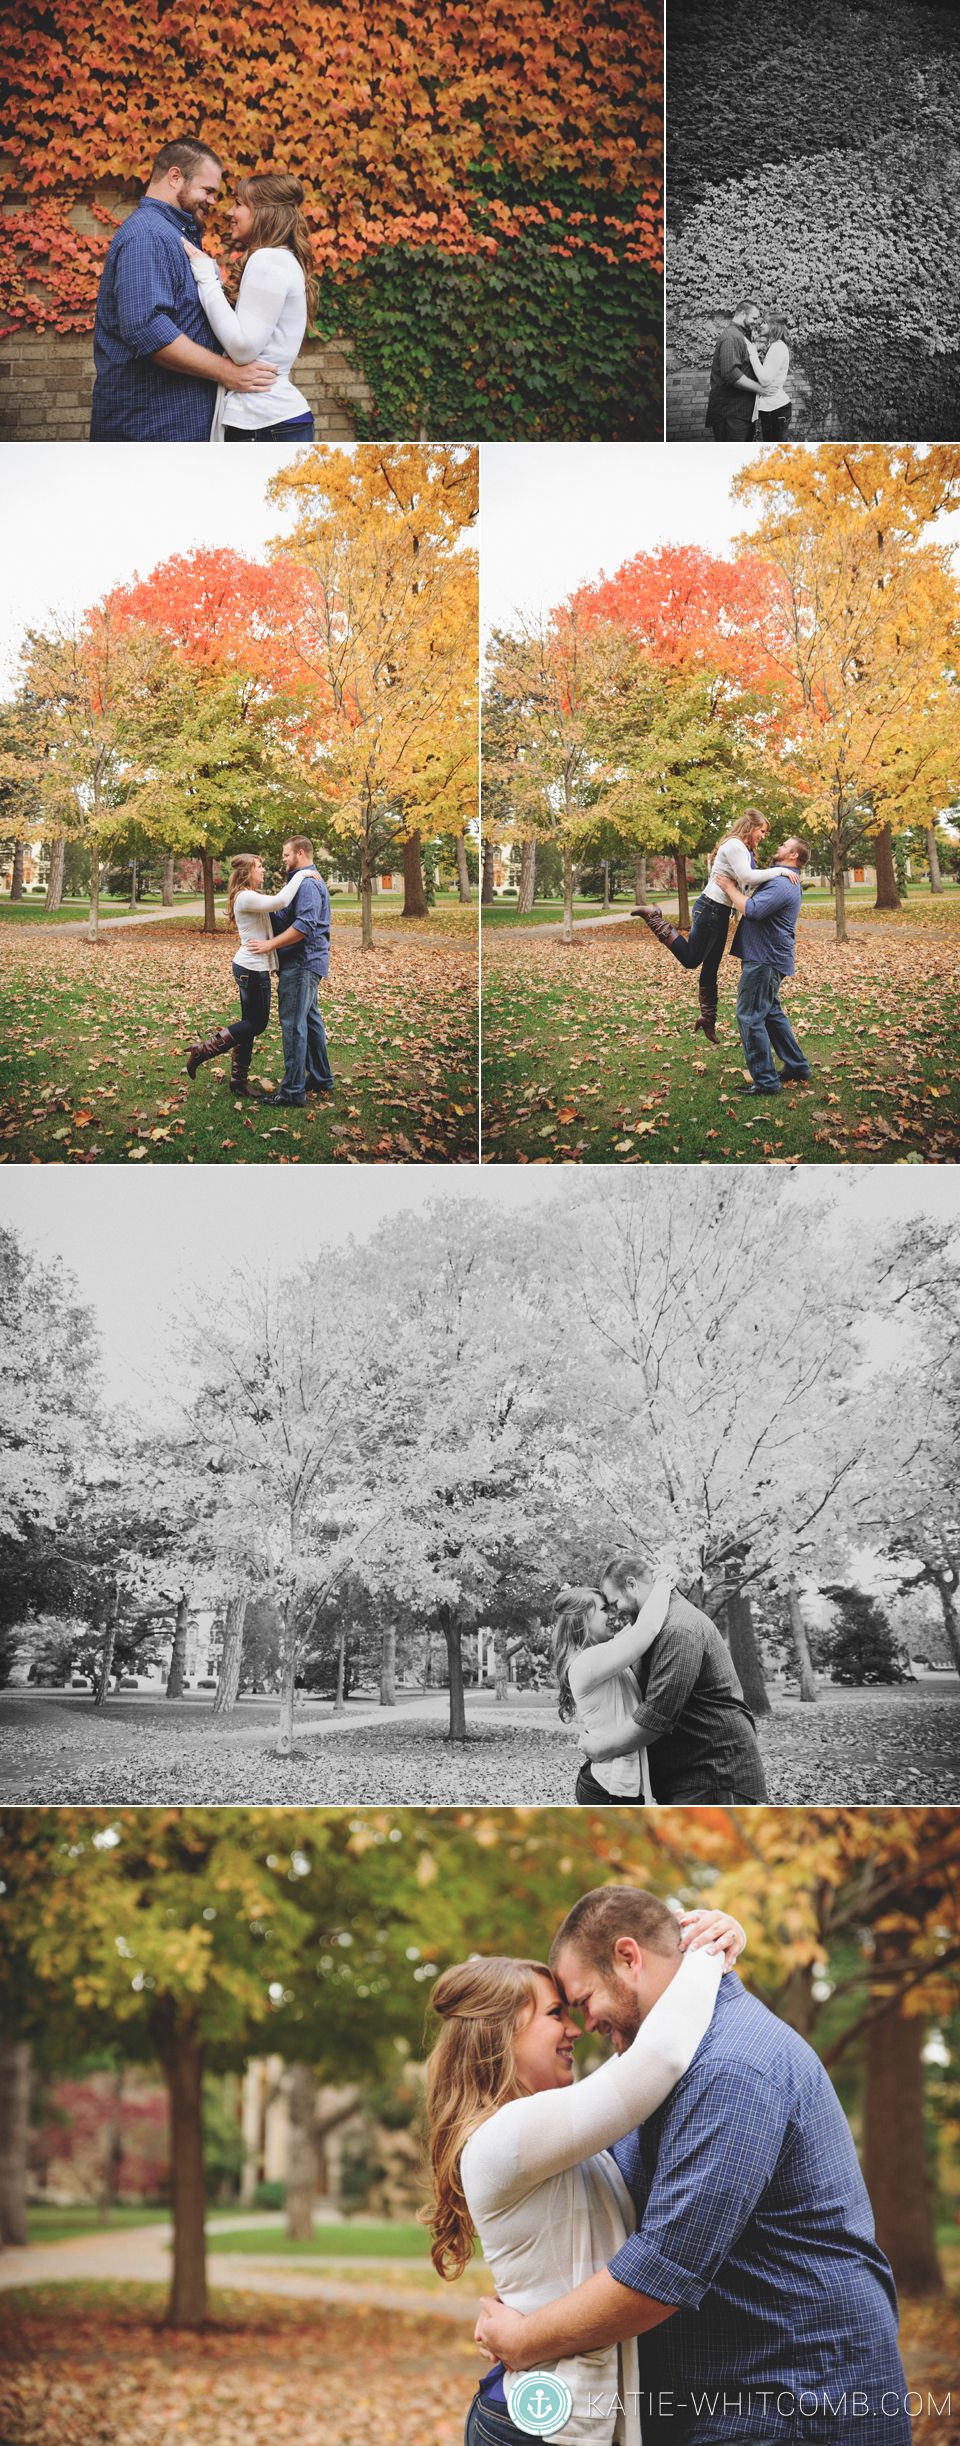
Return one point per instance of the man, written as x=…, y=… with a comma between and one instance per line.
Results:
x=763, y=2307
x=765, y=941
x=693, y=1720
x=158, y=363
x=734, y=384
x=303, y=957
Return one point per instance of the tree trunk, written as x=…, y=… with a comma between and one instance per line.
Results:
x=606, y=885
x=808, y=1683
x=839, y=889
x=14, y=2136
x=209, y=911
x=301, y=2094
x=339, y=1703
x=166, y=888
x=680, y=863
x=231, y=1656
x=486, y=878
x=567, y=893
x=640, y=881
x=528, y=877
x=94, y=920
x=464, y=885
x=110, y=2186
x=888, y=896
x=797, y=2004
x=743, y=1644
x=450, y=1621
x=936, y=879
x=55, y=879
x=414, y=896
x=16, y=879
x=133, y=883
x=181, y=2054
x=388, y=1666
x=178, y=1655
x=948, y=1582
x=895, y=2147
x=366, y=900
x=109, y=1643
x=288, y=1686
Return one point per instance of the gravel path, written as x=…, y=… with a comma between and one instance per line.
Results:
x=874, y=1747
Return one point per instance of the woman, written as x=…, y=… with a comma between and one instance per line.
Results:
x=774, y=404
x=703, y=947
x=245, y=901
x=518, y=2152
x=594, y=1666
x=277, y=291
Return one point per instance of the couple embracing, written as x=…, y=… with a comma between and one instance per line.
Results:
x=659, y=1710
x=176, y=359
x=682, y=2242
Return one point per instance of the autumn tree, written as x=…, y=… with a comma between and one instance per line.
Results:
x=867, y=625
x=384, y=631
x=93, y=693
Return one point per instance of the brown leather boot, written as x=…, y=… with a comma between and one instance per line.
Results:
x=708, y=1017
x=660, y=926
x=205, y=1049
x=239, y=1069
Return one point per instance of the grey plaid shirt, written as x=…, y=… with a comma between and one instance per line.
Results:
x=694, y=1722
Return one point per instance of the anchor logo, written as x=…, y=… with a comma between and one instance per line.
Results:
x=539, y=2403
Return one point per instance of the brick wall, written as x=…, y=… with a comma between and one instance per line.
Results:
x=46, y=382
x=687, y=389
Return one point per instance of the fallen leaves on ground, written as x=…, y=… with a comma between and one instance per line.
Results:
x=876, y=1748
x=88, y=2365
x=590, y=1055
x=92, y=1063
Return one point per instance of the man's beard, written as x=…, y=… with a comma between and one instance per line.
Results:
x=624, y=2016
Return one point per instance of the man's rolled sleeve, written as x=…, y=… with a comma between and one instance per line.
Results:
x=718, y=2151
x=145, y=300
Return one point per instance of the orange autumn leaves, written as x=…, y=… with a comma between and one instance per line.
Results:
x=410, y=129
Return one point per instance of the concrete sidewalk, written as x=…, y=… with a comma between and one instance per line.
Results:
x=141, y=2256
x=144, y=917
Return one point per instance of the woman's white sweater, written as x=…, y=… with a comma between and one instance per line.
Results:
x=551, y=2210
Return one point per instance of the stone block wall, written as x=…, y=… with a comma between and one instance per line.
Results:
x=46, y=384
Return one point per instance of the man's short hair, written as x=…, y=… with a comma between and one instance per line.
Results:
x=610, y=1911
x=185, y=154
x=802, y=849
x=628, y=1567
x=747, y=305
x=299, y=840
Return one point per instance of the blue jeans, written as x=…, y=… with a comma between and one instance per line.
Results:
x=491, y=2425
x=293, y=429
x=254, y=990
x=703, y=947
x=304, y=1036
x=765, y=1028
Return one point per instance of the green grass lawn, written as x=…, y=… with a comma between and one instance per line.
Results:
x=590, y=1056
x=332, y=2241
x=92, y=1063
x=61, y=2224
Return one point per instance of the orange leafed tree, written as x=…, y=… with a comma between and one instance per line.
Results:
x=684, y=605
x=445, y=127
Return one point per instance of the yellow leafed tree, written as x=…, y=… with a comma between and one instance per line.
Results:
x=384, y=622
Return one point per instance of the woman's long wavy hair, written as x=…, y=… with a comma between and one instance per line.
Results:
x=471, y=2072
x=571, y=1624
x=276, y=200
x=241, y=869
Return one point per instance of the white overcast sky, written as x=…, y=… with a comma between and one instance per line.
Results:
x=556, y=513
x=144, y=1250
x=78, y=521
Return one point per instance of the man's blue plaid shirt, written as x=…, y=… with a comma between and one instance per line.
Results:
x=753, y=2217
x=148, y=297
